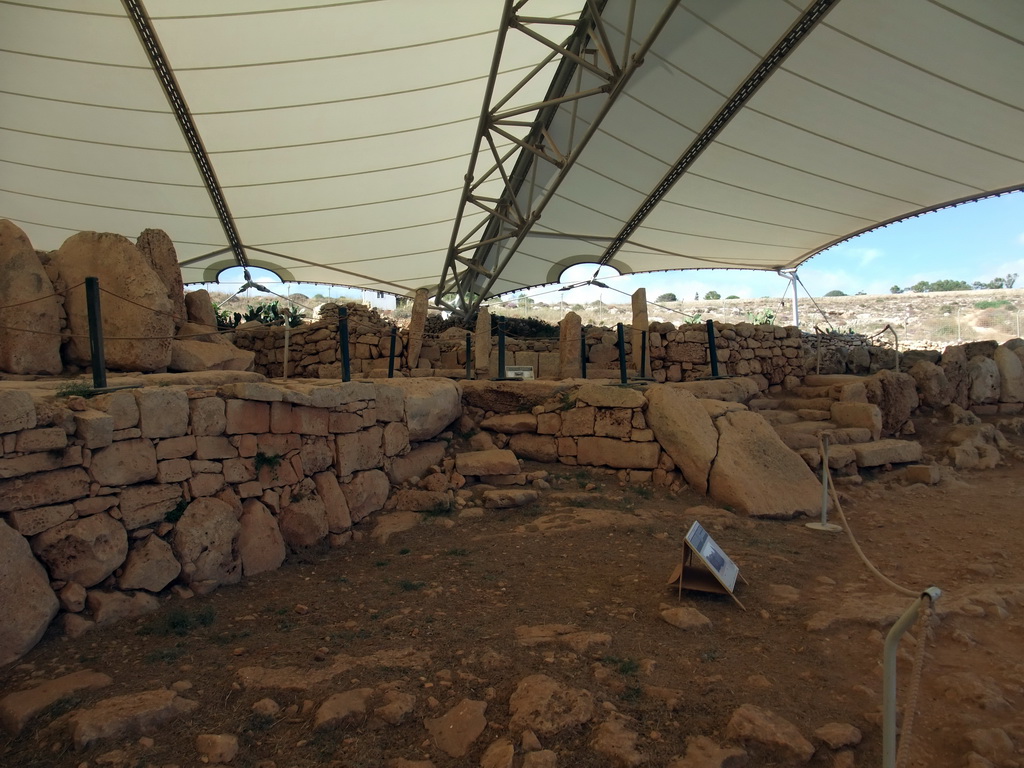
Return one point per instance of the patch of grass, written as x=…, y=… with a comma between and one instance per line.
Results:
x=180, y=621
x=632, y=693
x=382, y=563
x=63, y=705
x=439, y=510
x=994, y=304
x=174, y=515
x=566, y=401
x=260, y=723
x=271, y=460
x=404, y=551
x=709, y=655
x=166, y=655
x=643, y=491
x=411, y=586
x=75, y=389
x=457, y=552
x=627, y=667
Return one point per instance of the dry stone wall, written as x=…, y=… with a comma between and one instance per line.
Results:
x=107, y=501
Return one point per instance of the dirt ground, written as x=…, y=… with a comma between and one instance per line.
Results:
x=594, y=554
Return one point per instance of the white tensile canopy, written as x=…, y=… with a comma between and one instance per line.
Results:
x=473, y=147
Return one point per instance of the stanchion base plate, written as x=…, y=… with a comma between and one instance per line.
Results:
x=830, y=527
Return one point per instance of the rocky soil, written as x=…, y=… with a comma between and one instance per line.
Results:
x=547, y=636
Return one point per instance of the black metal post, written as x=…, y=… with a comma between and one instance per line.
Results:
x=712, y=350
x=643, y=354
x=99, y=359
x=391, y=353
x=502, y=373
x=346, y=368
x=583, y=355
x=622, y=353
x=469, y=355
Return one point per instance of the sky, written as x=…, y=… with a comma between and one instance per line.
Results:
x=973, y=242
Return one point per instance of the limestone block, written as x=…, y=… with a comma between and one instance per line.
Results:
x=763, y=728
x=414, y=500
x=430, y=405
x=17, y=411
x=509, y=498
x=29, y=603
x=43, y=488
x=578, y=421
x=260, y=544
x=684, y=429
x=416, y=462
x=549, y=423
x=252, y=390
x=124, y=463
x=158, y=250
x=534, y=447
x=208, y=484
x=983, y=375
x=359, y=450
x=42, y=439
x=887, y=452
x=85, y=551
x=303, y=520
x=26, y=284
x=144, y=323
x=511, y=423
x=608, y=452
x=17, y=709
x=94, y=428
x=213, y=447
x=336, y=506
x=176, y=447
x=896, y=396
x=455, y=731
x=396, y=438
x=146, y=504
x=136, y=713
x=366, y=493
x=547, y=706
x=150, y=565
x=862, y=415
x=163, y=411
x=208, y=416
x=173, y=470
x=933, y=387
x=29, y=522
x=1011, y=375
x=204, y=541
x=196, y=355
x=493, y=462
x=316, y=454
x=613, y=422
x=756, y=473
x=390, y=403
x=247, y=416
x=610, y=397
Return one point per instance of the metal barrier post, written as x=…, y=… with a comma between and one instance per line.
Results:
x=622, y=353
x=712, y=349
x=643, y=354
x=346, y=369
x=583, y=355
x=502, y=373
x=391, y=352
x=469, y=355
x=99, y=359
x=287, y=348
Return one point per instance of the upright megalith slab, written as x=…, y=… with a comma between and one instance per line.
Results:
x=482, y=342
x=159, y=251
x=685, y=431
x=756, y=473
x=640, y=325
x=29, y=309
x=570, y=331
x=430, y=406
x=417, y=327
x=29, y=603
x=138, y=318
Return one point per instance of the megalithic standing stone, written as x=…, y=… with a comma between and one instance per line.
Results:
x=417, y=325
x=482, y=342
x=570, y=330
x=640, y=324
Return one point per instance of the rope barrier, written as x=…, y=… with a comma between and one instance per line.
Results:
x=41, y=298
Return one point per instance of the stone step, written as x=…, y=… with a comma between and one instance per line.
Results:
x=800, y=403
x=889, y=451
x=830, y=379
x=776, y=418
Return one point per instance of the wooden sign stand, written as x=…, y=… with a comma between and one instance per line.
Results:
x=696, y=573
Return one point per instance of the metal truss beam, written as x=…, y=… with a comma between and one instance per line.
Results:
x=766, y=67
x=477, y=255
x=162, y=68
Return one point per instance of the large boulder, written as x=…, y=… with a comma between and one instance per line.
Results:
x=366, y=493
x=138, y=318
x=205, y=541
x=430, y=405
x=954, y=365
x=933, y=387
x=29, y=603
x=983, y=375
x=756, y=473
x=686, y=433
x=159, y=251
x=151, y=565
x=303, y=520
x=191, y=355
x=26, y=284
x=1011, y=375
x=199, y=308
x=896, y=396
x=85, y=551
x=260, y=543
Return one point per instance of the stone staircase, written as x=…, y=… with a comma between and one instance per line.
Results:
x=835, y=406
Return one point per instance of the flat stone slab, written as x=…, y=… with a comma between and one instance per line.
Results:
x=16, y=709
x=887, y=452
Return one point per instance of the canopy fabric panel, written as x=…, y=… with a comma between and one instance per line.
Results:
x=754, y=134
